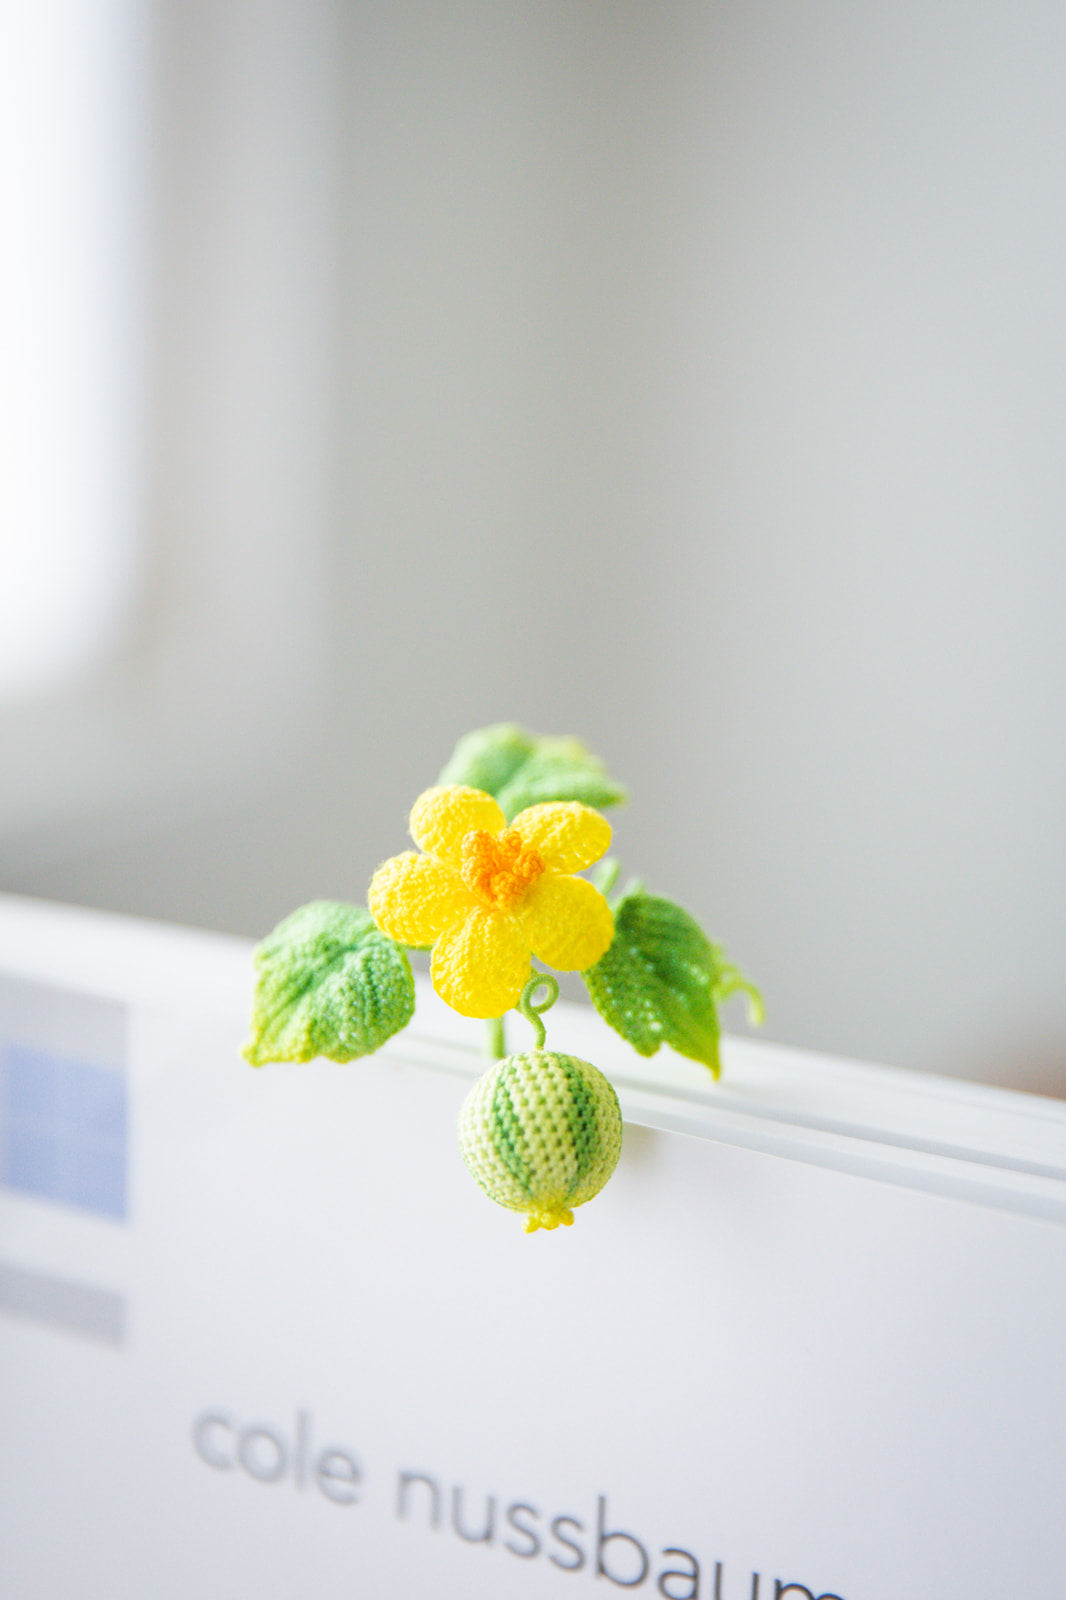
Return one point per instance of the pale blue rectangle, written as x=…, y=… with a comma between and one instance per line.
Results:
x=63, y=1129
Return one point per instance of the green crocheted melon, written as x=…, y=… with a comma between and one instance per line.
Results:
x=541, y=1133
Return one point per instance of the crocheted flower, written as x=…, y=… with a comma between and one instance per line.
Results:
x=488, y=896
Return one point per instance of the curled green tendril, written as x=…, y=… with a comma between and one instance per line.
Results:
x=532, y=1013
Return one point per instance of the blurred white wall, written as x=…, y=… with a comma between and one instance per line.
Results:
x=689, y=377
x=222, y=311
x=73, y=195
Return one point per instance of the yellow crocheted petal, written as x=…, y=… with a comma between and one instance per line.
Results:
x=415, y=898
x=481, y=966
x=569, y=923
x=441, y=819
x=567, y=835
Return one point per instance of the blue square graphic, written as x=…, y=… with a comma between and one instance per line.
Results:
x=63, y=1130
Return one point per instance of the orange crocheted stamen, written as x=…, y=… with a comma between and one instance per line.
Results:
x=499, y=867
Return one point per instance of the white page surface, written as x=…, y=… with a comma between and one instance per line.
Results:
x=309, y=1358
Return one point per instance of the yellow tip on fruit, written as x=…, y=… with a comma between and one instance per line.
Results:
x=549, y=1219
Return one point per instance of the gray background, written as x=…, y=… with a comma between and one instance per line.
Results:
x=687, y=377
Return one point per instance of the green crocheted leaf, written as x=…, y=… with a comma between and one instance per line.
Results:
x=488, y=758
x=523, y=769
x=330, y=983
x=662, y=980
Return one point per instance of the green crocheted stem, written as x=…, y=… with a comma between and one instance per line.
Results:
x=495, y=1039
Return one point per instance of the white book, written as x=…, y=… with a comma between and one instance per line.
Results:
x=261, y=1333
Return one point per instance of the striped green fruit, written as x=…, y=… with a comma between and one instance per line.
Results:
x=541, y=1133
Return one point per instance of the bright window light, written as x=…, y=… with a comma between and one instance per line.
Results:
x=72, y=192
